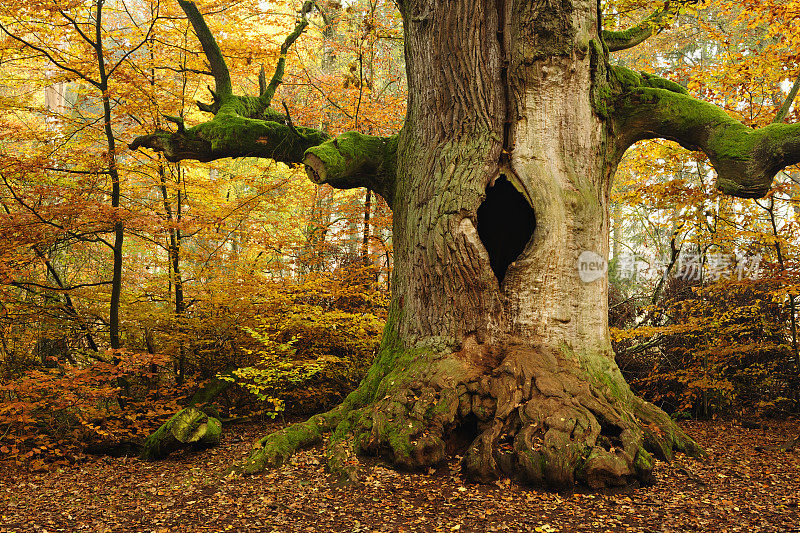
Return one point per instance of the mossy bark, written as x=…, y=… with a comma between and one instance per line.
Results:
x=538, y=417
x=355, y=160
x=162, y=442
x=745, y=159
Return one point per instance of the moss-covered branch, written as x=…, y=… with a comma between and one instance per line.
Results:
x=277, y=447
x=657, y=21
x=232, y=135
x=355, y=160
x=348, y=161
x=746, y=159
x=268, y=90
x=251, y=107
x=216, y=61
x=245, y=126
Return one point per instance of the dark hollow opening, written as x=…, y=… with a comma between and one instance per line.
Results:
x=505, y=225
x=460, y=439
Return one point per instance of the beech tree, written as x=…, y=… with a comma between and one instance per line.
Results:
x=495, y=347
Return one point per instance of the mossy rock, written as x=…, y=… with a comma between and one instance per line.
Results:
x=188, y=427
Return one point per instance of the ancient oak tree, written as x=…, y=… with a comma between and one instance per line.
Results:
x=498, y=181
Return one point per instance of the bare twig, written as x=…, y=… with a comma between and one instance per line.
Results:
x=289, y=121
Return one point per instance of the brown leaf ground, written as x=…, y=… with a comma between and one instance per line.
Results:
x=741, y=486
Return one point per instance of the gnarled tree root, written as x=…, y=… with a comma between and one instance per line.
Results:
x=537, y=418
x=276, y=448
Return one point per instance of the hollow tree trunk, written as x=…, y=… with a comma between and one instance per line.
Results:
x=503, y=176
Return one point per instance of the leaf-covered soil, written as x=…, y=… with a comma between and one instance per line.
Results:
x=743, y=485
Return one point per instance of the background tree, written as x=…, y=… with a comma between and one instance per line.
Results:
x=90, y=34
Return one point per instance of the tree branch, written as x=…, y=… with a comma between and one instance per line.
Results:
x=355, y=160
x=653, y=24
x=72, y=171
x=59, y=64
x=35, y=213
x=247, y=127
x=787, y=104
x=277, y=78
x=141, y=43
x=182, y=70
x=59, y=288
x=746, y=159
x=233, y=136
x=222, y=77
x=78, y=28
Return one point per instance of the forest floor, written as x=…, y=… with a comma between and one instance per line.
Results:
x=740, y=486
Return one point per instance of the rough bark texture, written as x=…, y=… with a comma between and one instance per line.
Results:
x=507, y=362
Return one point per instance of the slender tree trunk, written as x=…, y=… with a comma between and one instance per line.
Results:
x=617, y=233
x=113, y=172
x=792, y=302
x=119, y=233
x=173, y=221
x=313, y=255
x=174, y=253
x=366, y=234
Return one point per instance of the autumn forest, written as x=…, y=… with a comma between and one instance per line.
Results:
x=260, y=270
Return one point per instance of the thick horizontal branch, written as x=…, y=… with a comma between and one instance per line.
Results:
x=746, y=159
x=245, y=126
x=355, y=160
x=230, y=135
x=347, y=161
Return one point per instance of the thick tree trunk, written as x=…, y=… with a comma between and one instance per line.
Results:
x=503, y=176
